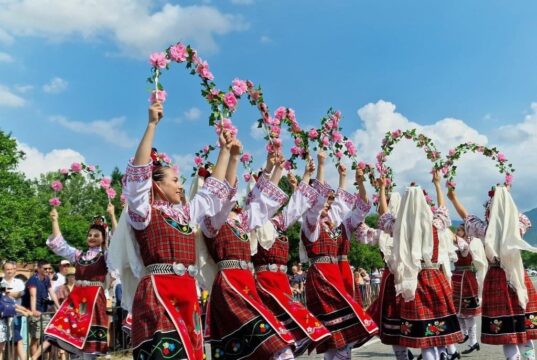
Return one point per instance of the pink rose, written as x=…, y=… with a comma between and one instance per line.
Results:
x=337, y=114
x=54, y=202
x=76, y=167
x=254, y=95
x=287, y=165
x=239, y=87
x=388, y=181
x=178, y=52
x=508, y=179
x=452, y=152
x=105, y=182
x=329, y=124
x=338, y=154
x=298, y=142
x=230, y=100
x=123, y=198
x=247, y=177
x=361, y=165
x=206, y=149
x=275, y=130
x=165, y=158
x=336, y=136
x=198, y=160
x=203, y=70
x=249, y=84
x=480, y=149
x=451, y=184
x=277, y=142
x=380, y=157
x=291, y=115
x=270, y=148
x=325, y=141
x=158, y=96
x=213, y=94
x=501, y=157
x=313, y=134
x=375, y=198
x=396, y=133
x=280, y=112
x=56, y=185
x=296, y=128
x=428, y=198
x=445, y=169
x=91, y=168
x=246, y=157
x=295, y=150
x=352, y=151
x=111, y=193
x=64, y=171
x=158, y=60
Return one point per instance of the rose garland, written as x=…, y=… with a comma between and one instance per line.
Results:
x=449, y=169
x=201, y=161
x=78, y=169
x=300, y=148
x=223, y=104
x=247, y=159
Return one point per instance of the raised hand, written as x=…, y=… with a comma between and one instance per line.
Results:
x=321, y=157
x=359, y=175
x=342, y=170
x=110, y=209
x=236, y=147
x=436, y=177
x=54, y=214
x=156, y=113
x=292, y=181
x=451, y=194
x=381, y=182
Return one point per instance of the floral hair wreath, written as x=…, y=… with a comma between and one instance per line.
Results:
x=78, y=169
x=223, y=104
x=202, y=165
x=449, y=168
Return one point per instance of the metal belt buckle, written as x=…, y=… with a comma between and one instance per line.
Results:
x=243, y=264
x=273, y=267
x=179, y=269
x=192, y=270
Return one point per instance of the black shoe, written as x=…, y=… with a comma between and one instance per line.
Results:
x=471, y=349
x=409, y=355
x=466, y=337
x=420, y=357
x=456, y=355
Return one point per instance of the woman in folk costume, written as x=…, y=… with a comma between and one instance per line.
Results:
x=326, y=295
x=239, y=325
x=509, y=309
x=155, y=249
x=271, y=270
x=428, y=316
x=80, y=326
x=467, y=289
x=385, y=309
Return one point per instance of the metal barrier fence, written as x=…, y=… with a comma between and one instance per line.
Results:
x=118, y=340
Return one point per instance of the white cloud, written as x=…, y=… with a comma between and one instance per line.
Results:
x=23, y=89
x=5, y=57
x=110, y=130
x=5, y=38
x=9, y=99
x=265, y=39
x=56, y=85
x=138, y=27
x=36, y=162
x=475, y=174
x=257, y=133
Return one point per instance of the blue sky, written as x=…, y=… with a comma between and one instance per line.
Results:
x=72, y=76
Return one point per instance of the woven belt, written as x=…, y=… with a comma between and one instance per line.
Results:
x=235, y=264
x=324, y=260
x=89, y=283
x=462, y=268
x=272, y=268
x=175, y=268
x=342, y=258
x=431, y=266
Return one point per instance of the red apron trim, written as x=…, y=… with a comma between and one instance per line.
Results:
x=348, y=277
x=72, y=324
x=368, y=324
x=176, y=304
x=232, y=278
x=316, y=332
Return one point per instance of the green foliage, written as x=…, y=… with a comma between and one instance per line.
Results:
x=24, y=208
x=529, y=259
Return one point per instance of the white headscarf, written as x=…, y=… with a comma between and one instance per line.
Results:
x=124, y=256
x=264, y=235
x=413, y=241
x=503, y=241
x=385, y=240
x=479, y=259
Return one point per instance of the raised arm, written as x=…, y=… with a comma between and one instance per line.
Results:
x=383, y=202
x=111, y=210
x=452, y=196
x=360, y=179
x=344, y=202
x=439, y=194
x=234, y=154
x=321, y=158
x=143, y=153
x=57, y=243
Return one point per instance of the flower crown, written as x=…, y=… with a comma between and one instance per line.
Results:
x=161, y=159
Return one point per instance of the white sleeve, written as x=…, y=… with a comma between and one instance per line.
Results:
x=367, y=235
x=212, y=224
x=301, y=200
x=462, y=245
x=311, y=220
x=209, y=200
x=387, y=223
x=60, y=247
x=262, y=202
x=341, y=207
x=136, y=188
x=475, y=227
x=356, y=216
x=441, y=219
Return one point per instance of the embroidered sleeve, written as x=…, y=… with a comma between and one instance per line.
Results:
x=311, y=219
x=136, y=188
x=387, y=223
x=475, y=227
x=209, y=201
x=356, y=216
x=524, y=223
x=60, y=247
x=341, y=207
x=321, y=188
x=367, y=235
x=441, y=219
x=301, y=200
x=262, y=206
x=462, y=246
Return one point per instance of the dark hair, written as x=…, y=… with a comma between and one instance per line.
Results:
x=101, y=228
x=158, y=173
x=41, y=263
